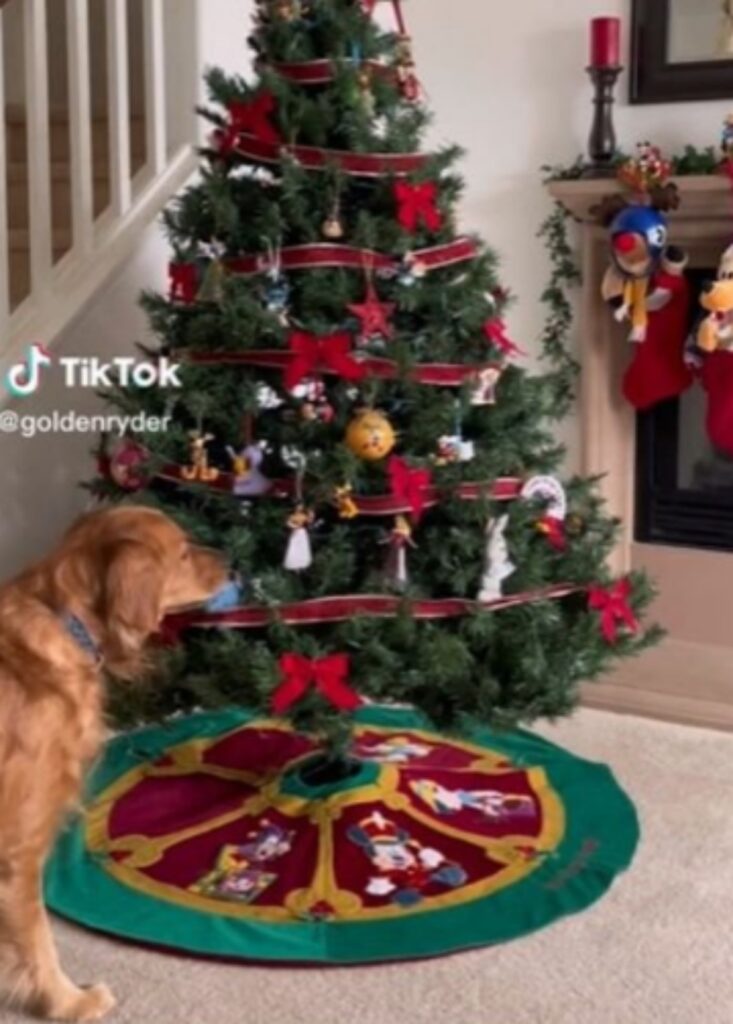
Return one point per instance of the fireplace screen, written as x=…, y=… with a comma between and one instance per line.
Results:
x=684, y=486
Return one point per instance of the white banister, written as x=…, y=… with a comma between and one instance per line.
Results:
x=4, y=239
x=119, y=106
x=38, y=143
x=80, y=125
x=44, y=202
x=155, y=92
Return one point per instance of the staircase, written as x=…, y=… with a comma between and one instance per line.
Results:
x=99, y=99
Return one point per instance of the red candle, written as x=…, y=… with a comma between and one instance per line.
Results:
x=605, y=42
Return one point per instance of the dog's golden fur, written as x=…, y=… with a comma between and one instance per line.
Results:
x=119, y=571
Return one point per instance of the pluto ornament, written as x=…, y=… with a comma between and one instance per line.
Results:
x=370, y=436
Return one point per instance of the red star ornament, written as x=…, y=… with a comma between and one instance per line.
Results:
x=374, y=316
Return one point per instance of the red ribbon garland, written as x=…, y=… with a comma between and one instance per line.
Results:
x=495, y=331
x=307, y=257
x=251, y=117
x=416, y=205
x=328, y=675
x=343, y=608
x=409, y=485
x=184, y=282
x=312, y=353
x=613, y=605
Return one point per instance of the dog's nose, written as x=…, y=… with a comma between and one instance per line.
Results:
x=707, y=287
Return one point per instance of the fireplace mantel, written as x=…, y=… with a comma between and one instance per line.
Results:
x=694, y=585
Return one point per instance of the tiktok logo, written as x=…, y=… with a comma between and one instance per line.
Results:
x=24, y=378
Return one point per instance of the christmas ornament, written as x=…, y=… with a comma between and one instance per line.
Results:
x=311, y=353
x=498, y=565
x=550, y=491
x=199, y=469
x=231, y=596
x=328, y=676
x=416, y=206
x=212, y=283
x=726, y=141
x=370, y=436
x=298, y=556
x=453, y=449
x=344, y=502
x=332, y=227
x=277, y=289
x=366, y=96
x=409, y=485
x=126, y=465
x=184, y=282
x=373, y=315
x=614, y=609
x=411, y=270
x=399, y=540
x=314, y=401
x=249, y=482
x=484, y=390
x=287, y=10
x=407, y=80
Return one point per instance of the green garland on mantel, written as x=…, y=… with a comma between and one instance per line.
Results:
x=691, y=161
x=565, y=273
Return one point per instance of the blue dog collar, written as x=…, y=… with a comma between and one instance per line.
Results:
x=79, y=632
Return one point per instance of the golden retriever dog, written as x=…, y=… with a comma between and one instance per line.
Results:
x=88, y=608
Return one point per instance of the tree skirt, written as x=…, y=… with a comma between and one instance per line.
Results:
x=205, y=837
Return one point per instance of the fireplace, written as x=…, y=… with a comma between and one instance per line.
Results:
x=672, y=491
x=684, y=487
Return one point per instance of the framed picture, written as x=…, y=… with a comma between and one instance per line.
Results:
x=681, y=50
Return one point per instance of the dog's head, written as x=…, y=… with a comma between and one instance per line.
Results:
x=124, y=569
x=717, y=296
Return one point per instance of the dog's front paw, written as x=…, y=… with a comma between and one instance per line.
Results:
x=92, y=1003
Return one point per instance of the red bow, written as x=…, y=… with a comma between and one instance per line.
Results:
x=613, y=604
x=184, y=279
x=495, y=331
x=311, y=353
x=249, y=117
x=328, y=675
x=554, y=529
x=409, y=485
x=417, y=204
x=368, y=6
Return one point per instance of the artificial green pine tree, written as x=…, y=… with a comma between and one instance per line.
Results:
x=354, y=421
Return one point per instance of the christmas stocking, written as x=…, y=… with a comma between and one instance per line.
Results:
x=658, y=370
x=717, y=379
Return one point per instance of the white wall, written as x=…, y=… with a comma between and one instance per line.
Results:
x=505, y=80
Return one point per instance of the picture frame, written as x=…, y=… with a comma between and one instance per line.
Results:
x=655, y=78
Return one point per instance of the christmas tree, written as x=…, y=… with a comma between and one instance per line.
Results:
x=356, y=429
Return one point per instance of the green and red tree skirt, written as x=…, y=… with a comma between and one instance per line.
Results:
x=229, y=835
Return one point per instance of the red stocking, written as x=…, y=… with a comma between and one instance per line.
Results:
x=717, y=379
x=658, y=370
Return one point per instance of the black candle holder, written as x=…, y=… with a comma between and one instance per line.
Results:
x=602, y=141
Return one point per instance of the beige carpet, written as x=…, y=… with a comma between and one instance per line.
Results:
x=657, y=950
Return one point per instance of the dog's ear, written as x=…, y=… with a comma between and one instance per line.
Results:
x=133, y=604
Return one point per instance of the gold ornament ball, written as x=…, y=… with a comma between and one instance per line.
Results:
x=370, y=436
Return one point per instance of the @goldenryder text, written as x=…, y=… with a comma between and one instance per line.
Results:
x=12, y=422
